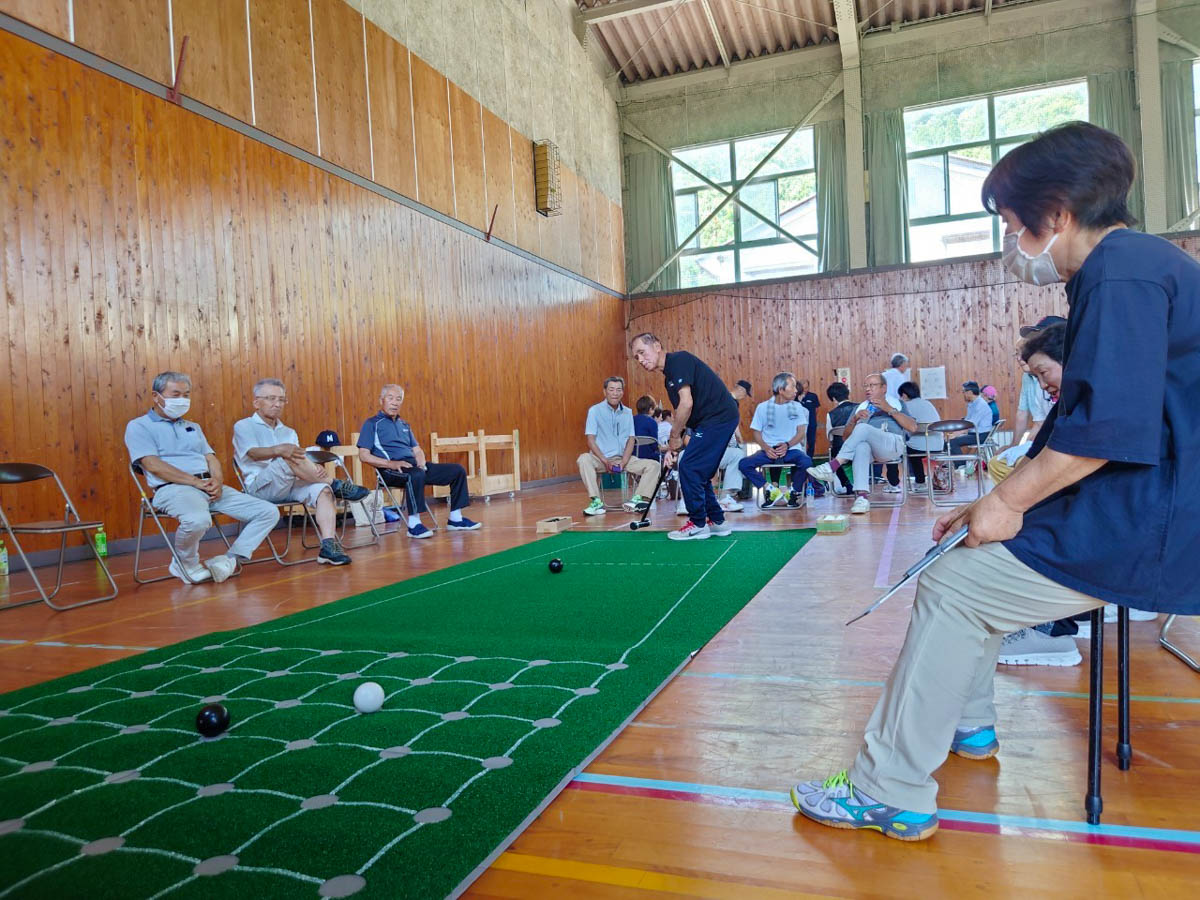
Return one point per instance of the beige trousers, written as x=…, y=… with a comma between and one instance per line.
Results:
x=943, y=679
x=645, y=469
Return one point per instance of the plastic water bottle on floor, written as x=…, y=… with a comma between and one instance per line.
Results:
x=101, y=542
x=3, y=559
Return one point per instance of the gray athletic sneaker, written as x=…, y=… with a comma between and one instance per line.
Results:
x=1029, y=647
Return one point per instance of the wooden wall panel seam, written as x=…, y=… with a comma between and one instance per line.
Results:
x=312, y=55
x=250, y=64
x=367, y=81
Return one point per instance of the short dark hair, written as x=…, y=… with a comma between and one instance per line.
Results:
x=1048, y=341
x=837, y=392
x=1077, y=166
x=645, y=405
x=909, y=389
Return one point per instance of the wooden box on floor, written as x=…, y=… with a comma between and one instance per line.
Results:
x=554, y=524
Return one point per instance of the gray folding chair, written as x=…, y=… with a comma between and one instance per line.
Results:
x=12, y=474
x=886, y=500
x=326, y=458
x=287, y=509
x=1172, y=649
x=948, y=458
x=382, y=485
x=147, y=511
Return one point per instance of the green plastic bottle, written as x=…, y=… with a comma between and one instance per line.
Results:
x=101, y=542
x=3, y=559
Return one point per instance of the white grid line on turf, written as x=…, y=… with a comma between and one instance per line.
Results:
x=359, y=674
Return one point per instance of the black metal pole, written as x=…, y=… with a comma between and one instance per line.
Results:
x=1093, y=803
x=1124, y=747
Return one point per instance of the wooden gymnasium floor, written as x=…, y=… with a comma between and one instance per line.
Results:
x=690, y=800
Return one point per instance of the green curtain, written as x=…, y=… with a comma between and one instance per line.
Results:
x=1112, y=104
x=1179, y=137
x=649, y=220
x=830, y=140
x=888, y=173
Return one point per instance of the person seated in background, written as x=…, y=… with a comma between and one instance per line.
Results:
x=812, y=403
x=875, y=433
x=387, y=442
x=923, y=413
x=276, y=468
x=741, y=390
x=609, y=433
x=978, y=414
x=989, y=395
x=779, y=427
x=644, y=425
x=664, y=428
x=843, y=409
x=1034, y=404
x=185, y=475
x=896, y=376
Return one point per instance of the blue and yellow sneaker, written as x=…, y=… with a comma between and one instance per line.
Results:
x=839, y=804
x=975, y=743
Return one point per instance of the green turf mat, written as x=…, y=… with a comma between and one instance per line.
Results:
x=501, y=679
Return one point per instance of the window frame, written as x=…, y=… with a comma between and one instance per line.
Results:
x=737, y=245
x=993, y=143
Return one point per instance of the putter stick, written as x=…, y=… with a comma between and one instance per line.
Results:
x=642, y=523
x=934, y=552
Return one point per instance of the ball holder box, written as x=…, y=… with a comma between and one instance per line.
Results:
x=835, y=523
x=554, y=524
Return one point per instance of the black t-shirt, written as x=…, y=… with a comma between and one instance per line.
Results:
x=812, y=403
x=712, y=403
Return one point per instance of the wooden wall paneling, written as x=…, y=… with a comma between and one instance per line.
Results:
x=466, y=129
x=341, y=85
x=498, y=188
x=550, y=239
x=283, y=71
x=528, y=235
x=216, y=69
x=391, y=112
x=131, y=33
x=603, y=239
x=50, y=16
x=431, y=116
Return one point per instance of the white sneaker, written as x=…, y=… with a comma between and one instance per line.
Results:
x=681, y=508
x=823, y=473
x=722, y=530
x=194, y=573
x=891, y=489
x=922, y=488
x=690, y=532
x=861, y=505
x=221, y=567
x=728, y=504
x=1030, y=647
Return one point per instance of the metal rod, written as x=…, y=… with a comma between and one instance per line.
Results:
x=1093, y=803
x=1124, y=747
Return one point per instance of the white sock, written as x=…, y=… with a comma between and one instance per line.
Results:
x=414, y=521
x=456, y=515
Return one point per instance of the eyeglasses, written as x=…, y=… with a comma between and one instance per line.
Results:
x=270, y=399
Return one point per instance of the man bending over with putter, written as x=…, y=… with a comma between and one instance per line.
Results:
x=703, y=404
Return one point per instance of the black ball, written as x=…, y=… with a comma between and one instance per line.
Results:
x=212, y=720
x=556, y=565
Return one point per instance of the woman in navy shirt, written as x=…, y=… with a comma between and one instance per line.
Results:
x=1107, y=508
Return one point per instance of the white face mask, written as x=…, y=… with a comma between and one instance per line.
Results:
x=175, y=407
x=1038, y=269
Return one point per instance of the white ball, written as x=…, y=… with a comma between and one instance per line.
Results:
x=368, y=697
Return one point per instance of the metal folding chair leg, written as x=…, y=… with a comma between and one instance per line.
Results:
x=1093, y=804
x=1124, y=746
x=1172, y=649
x=48, y=599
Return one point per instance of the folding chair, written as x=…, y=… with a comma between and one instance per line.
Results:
x=947, y=457
x=1172, y=649
x=286, y=508
x=326, y=458
x=23, y=473
x=991, y=444
x=382, y=485
x=147, y=510
x=888, y=501
x=1093, y=803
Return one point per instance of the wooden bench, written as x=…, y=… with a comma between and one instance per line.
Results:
x=480, y=481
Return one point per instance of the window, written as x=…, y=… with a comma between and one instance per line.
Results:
x=950, y=149
x=737, y=245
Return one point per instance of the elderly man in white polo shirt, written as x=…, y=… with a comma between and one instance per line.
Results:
x=277, y=469
x=188, y=485
x=609, y=433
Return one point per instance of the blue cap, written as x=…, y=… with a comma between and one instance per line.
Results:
x=328, y=438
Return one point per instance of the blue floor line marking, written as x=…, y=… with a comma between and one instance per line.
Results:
x=952, y=815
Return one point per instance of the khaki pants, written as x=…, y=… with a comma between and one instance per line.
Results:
x=645, y=469
x=943, y=679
